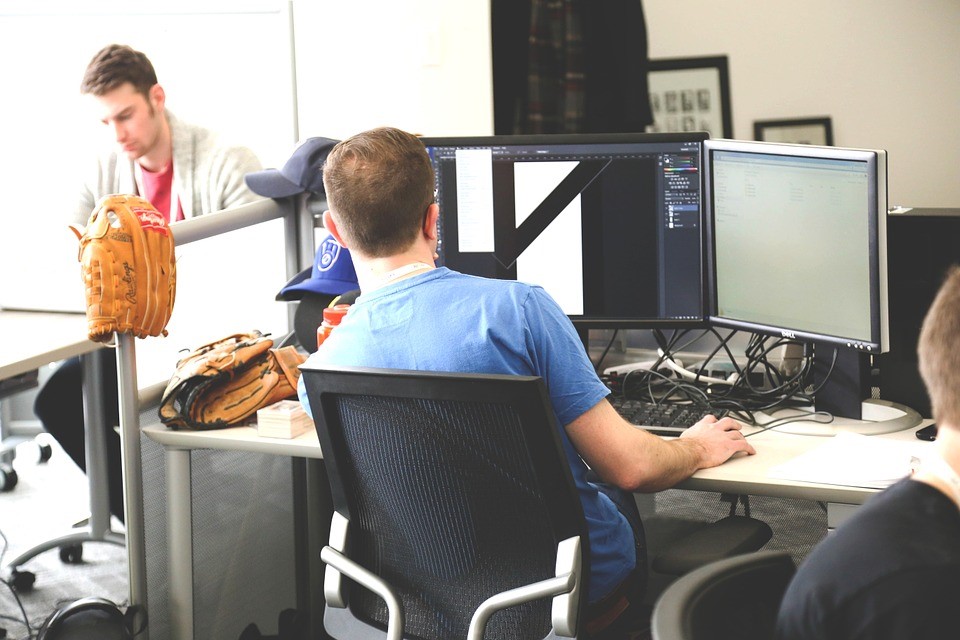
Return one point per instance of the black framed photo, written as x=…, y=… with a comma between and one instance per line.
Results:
x=818, y=131
x=690, y=94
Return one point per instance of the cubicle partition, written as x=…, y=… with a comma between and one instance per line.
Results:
x=230, y=266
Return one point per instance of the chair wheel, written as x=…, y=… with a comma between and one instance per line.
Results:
x=45, y=452
x=8, y=477
x=71, y=553
x=22, y=581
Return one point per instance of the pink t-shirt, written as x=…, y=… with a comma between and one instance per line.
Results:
x=157, y=190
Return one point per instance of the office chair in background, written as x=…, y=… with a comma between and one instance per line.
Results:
x=735, y=597
x=8, y=440
x=708, y=542
x=454, y=507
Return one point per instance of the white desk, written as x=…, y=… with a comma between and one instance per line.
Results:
x=743, y=475
x=235, y=439
x=177, y=446
x=749, y=475
x=37, y=339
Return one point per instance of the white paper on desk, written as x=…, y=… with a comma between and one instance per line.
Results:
x=854, y=460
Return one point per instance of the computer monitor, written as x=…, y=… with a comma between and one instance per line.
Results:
x=798, y=241
x=797, y=248
x=609, y=224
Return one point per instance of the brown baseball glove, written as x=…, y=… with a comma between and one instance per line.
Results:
x=224, y=383
x=129, y=268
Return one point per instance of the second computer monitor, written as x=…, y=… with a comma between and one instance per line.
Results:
x=798, y=241
x=609, y=224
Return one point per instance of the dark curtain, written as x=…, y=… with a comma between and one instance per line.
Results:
x=569, y=66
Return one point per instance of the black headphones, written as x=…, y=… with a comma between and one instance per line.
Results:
x=116, y=618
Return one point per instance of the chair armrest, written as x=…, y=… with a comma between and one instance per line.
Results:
x=566, y=584
x=365, y=578
x=333, y=591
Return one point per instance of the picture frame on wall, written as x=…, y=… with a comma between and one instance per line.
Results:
x=815, y=131
x=690, y=94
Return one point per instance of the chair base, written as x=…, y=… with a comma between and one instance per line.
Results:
x=721, y=539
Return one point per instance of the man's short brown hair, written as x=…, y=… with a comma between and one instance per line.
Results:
x=379, y=184
x=115, y=65
x=939, y=351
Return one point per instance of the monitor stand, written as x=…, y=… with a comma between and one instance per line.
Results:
x=877, y=417
x=844, y=385
x=845, y=394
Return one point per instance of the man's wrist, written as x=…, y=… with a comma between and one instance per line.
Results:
x=695, y=453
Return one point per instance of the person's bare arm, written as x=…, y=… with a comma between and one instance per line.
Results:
x=634, y=460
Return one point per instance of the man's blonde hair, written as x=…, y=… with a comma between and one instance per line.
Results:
x=379, y=184
x=939, y=351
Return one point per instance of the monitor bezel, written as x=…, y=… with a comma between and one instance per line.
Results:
x=606, y=322
x=876, y=161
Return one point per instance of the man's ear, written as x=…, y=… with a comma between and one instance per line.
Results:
x=157, y=97
x=330, y=225
x=430, y=221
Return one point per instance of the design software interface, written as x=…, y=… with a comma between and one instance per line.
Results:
x=610, y=227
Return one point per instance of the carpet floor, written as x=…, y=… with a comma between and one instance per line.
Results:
x=47, y=500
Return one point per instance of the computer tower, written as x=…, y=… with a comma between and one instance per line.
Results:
x=921, y=245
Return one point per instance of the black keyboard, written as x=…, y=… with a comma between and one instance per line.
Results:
x=667, y=419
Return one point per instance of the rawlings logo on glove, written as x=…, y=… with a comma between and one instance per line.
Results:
x=128, y=267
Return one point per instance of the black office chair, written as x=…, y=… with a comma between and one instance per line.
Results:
x=454, y=504
x=736, y=597
x=729, y=536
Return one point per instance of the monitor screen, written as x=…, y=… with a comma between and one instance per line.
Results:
x=609, y=224
x=798, y=241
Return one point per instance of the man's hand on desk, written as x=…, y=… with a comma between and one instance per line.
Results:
x=635, y=460
x=720, y=440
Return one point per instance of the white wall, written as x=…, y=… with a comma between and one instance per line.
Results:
x=225, y=65
x=885, y=71
x=421, y=65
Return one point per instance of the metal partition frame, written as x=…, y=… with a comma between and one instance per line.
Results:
x=184, y=232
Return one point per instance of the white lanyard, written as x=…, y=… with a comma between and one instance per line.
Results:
x=399, y=272
x=937, y=466
x=174, y=200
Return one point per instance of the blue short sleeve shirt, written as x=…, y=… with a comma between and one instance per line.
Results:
x=446, y=321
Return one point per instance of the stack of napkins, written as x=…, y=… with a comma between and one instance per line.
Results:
x=283, y=419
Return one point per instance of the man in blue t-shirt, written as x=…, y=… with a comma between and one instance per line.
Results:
x=412, y=315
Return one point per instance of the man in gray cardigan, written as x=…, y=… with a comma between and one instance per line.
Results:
x=182, y=169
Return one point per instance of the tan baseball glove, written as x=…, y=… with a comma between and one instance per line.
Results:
x=224, y=383
x=128, y=267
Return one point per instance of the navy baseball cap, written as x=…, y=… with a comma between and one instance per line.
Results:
x=332, y=273
x=302, y=172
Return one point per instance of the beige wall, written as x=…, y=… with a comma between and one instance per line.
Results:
x=886, y=71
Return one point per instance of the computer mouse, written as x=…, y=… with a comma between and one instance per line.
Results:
x=928, y=433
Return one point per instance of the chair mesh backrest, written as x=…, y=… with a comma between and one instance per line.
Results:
x=445, y=508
